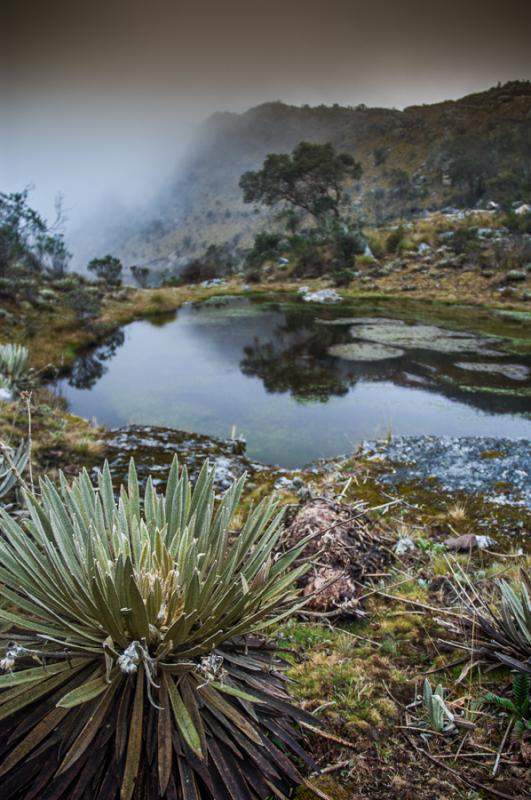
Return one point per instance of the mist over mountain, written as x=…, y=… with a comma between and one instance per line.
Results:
x=461, y=152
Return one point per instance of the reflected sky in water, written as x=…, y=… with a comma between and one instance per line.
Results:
x=267, y=371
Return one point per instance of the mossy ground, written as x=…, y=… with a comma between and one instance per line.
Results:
x=359, y=676
x=59, y=440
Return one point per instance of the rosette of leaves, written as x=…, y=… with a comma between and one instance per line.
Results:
x=14, y=367
x=134, y=666
x=499, y=633
x=13, y=462
x=439, y=716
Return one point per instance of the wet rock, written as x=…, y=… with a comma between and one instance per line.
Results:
x=154, y=448
x=469, y=541
x=364, y=351
x=212, y=282
x=459, y=464
x=346, y=546
x=515, y=372
x=322, y=296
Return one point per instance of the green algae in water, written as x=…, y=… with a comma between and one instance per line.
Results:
x=364, y=351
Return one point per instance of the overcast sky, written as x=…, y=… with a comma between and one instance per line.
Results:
x=98, y=100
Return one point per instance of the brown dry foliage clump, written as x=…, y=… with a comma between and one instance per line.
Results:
x=347, y=548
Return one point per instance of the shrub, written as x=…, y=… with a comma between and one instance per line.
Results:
x=343, y=277
x=465, y=241
x=141, y=276
x=108, y=269
x=380, y=155
x=517, y=223
x=377, y=249
x=134, y=664
x=27, y=241
x=265, y=247
x=253, y=276
x=216, y=262
x=365, y=261
x=346, y=245
x=311, y=262
x=395, y=240
x=84, y=303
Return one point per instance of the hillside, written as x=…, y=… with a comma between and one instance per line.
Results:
x=461, y=152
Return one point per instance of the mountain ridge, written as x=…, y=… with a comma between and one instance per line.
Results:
x=411, y=160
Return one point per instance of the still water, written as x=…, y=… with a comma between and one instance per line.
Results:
x=302, y=382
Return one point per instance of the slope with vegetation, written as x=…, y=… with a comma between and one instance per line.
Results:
x=459, y=152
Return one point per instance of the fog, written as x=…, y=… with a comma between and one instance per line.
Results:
x=101, y=103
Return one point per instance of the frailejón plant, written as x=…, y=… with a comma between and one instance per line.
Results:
x=134, y=666
x=502, y=633
x=14, y=367
x=12, y=465
x=439, y=716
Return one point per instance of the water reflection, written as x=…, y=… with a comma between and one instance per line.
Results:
x=89, y=367
x=267, y=368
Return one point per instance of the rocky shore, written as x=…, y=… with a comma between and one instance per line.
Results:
x=500, y=469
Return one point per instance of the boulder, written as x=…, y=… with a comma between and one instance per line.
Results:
x=469, y=541
x=212, y=282
x=326, y=296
